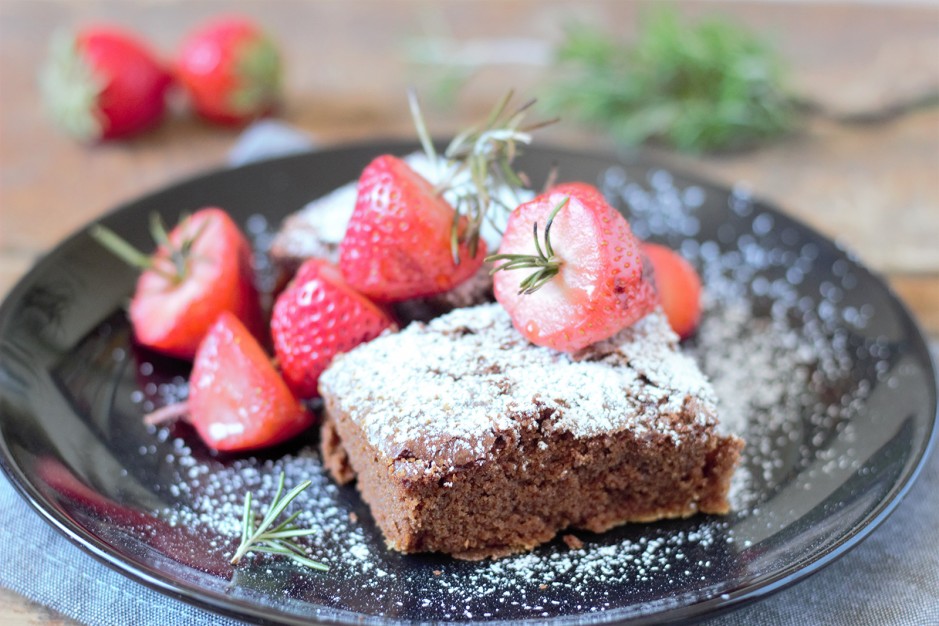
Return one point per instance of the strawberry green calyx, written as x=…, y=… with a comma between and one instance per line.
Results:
x=71, y=90
x=259, y=77
x=179, y=256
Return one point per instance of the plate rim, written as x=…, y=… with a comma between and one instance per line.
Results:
x=152, y=578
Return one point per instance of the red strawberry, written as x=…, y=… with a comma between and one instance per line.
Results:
x=317, y=317
x=398, y=242
x=237, y=401
x=231, y=71
x=103, y=83
x=679, y=288
x=584, y=283
x=201, y=269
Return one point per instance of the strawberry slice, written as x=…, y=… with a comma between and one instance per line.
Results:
x=317, y=317
x=679, y=288
x=237, y=401
x=200, y=269
x=397, y=245
x=584, y=283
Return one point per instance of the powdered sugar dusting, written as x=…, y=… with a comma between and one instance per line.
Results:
x=782, y=336
x=785, y=341
x=210, y=494
x=470, y=373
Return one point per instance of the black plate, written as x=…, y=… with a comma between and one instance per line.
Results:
x=834, y=377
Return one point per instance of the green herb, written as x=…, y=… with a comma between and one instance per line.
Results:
x=486, y=153
x=279, y=539
x=178, y=256
x=710, y=86
x=545, y=264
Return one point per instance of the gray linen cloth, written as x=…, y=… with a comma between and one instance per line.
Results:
x=892, y=578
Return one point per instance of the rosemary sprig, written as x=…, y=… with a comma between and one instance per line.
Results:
x=279, y=539
x=121, y=248
x=712, y=85
x=484, y=153
x=544, y=262
x=178, y=256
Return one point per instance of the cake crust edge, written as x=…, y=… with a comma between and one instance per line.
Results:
x=536, y=485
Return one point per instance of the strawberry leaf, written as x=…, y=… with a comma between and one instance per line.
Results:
x=259, y=76
x=71, y=89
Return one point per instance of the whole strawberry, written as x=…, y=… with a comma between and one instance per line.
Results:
x=237, y=401
x=585, y=281
x=398, y=244
x=103, y=83
x=317, y=317
x=200, y=269
x=231, y=71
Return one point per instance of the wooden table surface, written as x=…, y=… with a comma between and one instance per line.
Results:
x=872, y=184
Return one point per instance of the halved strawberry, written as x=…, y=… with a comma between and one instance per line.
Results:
x=586, y=282
x=679, y=288
x=397, y=245
x=200, y=269
x=237, y=400
x=317, y=317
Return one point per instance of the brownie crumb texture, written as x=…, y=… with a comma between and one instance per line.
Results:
x=466, y=439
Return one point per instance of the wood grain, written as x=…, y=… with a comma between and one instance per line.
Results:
x=921, y=295
x=15, y=610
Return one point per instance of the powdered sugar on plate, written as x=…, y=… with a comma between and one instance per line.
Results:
x=783, y=342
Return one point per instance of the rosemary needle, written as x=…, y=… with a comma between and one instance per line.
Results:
x=277, y=539
x=483, y=154
x=545, y=263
